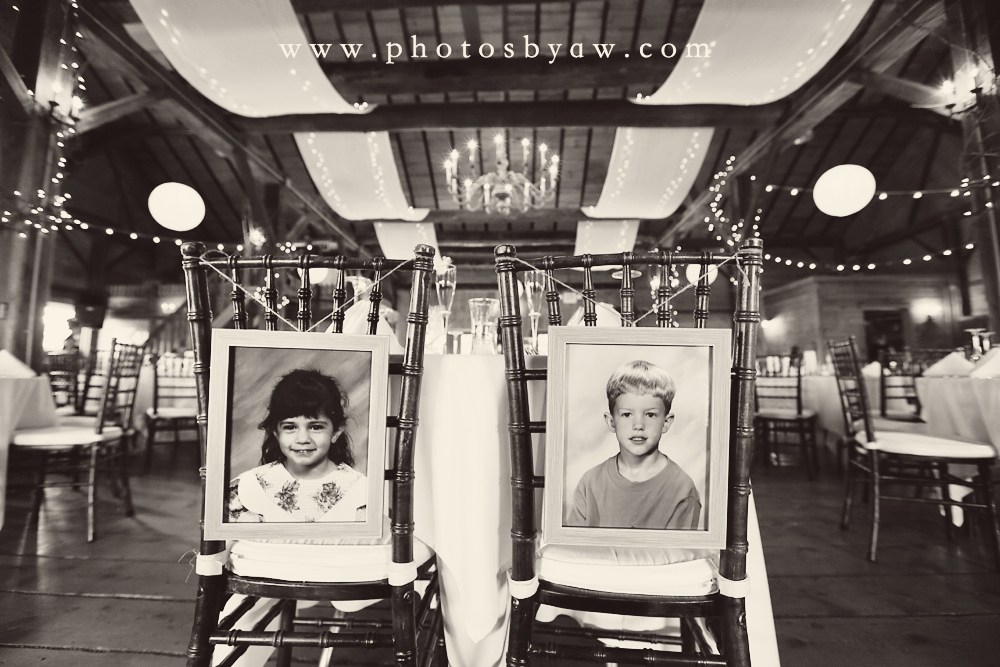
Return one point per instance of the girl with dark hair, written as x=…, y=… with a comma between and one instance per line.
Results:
x=305, y=472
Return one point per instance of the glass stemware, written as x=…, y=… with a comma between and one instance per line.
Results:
x=977, y=346
x=534, y=294
x=444, y=283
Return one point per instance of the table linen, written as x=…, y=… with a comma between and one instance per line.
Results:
x=24, y=403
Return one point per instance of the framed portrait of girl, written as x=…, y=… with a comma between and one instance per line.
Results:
x=296, y=435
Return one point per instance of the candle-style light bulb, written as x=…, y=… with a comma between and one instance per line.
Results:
x=525, y=148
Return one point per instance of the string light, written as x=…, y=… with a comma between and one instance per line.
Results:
x=870, y=266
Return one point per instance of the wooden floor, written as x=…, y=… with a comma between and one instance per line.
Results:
x=127, y=599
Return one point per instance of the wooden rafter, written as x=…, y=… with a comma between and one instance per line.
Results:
x=572, y=113
x=11, y=85
x=875, y=50
x=95, y=117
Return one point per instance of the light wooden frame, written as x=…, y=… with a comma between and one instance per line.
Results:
x=602, y=349
x=226, y=345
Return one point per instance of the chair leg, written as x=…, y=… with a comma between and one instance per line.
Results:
x=92, y=495
x=150, y=441
x=949, y=526
x=208, y=605
x=121, y=470
x=736, y=643
x=283, y=656
x=38, y=493
x=876, y=487
x=522, y=616
x=845, y=514
x=404, y=624
x=986, y=477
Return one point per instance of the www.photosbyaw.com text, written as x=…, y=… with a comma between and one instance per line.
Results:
x=395, y=50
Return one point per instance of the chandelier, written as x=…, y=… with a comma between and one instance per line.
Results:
x=501, y=190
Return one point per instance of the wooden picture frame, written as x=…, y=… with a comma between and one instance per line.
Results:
x=580, y=439
x=246, y=366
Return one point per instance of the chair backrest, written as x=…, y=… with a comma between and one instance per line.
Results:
x=121, y=384
x=851, y=385
x=173, y=380
x=780, y=390
x=234, y=271
x=63, y=370
x=746, y=315
x=896, y=381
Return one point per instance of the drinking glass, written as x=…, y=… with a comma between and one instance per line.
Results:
x=977, y=346
x=484, y=313
x=534, y=293
x=444, y=283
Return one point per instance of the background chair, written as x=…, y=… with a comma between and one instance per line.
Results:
x=882, y=458
x=700, y=642
x=174, y=408
x=63, y=370
x=89, y=445
x=898, y=399
x=780, y=420
x=265, y=605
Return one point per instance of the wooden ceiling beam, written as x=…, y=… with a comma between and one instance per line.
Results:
x=95, y=117
x=874, y=50
x=907, y=233
x=916, y=94
x=210, y=122
x=494, y=74
x=572, y=113
x=13, y=87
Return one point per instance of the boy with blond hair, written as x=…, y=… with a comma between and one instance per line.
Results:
x=640, y=486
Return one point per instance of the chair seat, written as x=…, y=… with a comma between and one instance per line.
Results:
x=65, y=411
x=172, y=413
x=920, y=444
x=65, y=436
x=901, y=415
x=785, y=414
x=637, y=571
x=343, y=562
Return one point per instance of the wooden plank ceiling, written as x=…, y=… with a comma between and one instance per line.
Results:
x=572, y=105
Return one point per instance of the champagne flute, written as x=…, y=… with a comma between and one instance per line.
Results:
x=977, y=347
x=444, y=282
x=534, y=290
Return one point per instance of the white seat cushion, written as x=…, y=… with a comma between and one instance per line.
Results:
x=679, y=572
x=344, y=562
x=919, y=444
x=65, y=411
x=785, y=414
x=64, y=436
x=172, y=413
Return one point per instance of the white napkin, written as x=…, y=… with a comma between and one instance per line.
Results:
x=988, y=366
x=356, y=322
x=954, y=364
x=872, y=370
x=12, y=367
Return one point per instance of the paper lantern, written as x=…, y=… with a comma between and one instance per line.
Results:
x=844, y=190
x=694, y=271
x=176, y=206
x=316, y=276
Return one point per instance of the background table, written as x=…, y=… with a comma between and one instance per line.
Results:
x=24, y=403
x=462, y=508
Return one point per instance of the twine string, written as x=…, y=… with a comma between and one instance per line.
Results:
x=656, y=304
x=206, y=261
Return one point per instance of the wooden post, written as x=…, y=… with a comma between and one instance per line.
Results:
x=972, y=47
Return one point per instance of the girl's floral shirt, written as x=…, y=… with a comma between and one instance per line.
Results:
x=270, y=493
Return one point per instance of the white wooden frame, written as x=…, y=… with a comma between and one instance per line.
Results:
x=600, y=349
x=225, y=343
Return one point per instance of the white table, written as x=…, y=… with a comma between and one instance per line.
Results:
x=965, y=407
x=462, y=508
x=24, y=403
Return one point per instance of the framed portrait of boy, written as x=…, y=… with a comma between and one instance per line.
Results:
x=296, y=436
x=637, y=445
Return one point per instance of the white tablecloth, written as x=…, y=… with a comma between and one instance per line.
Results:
x=24, y=403
x=961, y=406
x=462, y=464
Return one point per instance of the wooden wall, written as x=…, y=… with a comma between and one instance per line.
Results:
x=810, y=311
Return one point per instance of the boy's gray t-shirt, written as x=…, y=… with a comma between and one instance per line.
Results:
x=605, y=499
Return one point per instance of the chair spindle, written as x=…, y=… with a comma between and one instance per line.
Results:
x=305, y=294
x=339, y=297
x=589, y=293
x=627, y=292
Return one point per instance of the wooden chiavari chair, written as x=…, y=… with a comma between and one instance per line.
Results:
x=174, y=408
x=266, y=607
x=89, y=445
x=720, y=607
x=882, y=458
x=781, y=420
x=63, y=370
